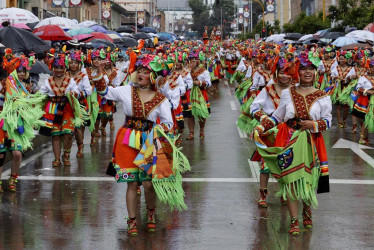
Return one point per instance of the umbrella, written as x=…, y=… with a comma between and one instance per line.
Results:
x=64, y=23
x=40, y=68
x=87, y=24
x=21, y=40
x=32, y=25
x=163, y=36
x=82, y=37
x=2, y=45
x=97, y=43
x=362, y=35
x=124, y=29
x=80, y=31
x=113, y=32
x=99, y=35
x=16, y=15
x=98, y=28
x=114, y=36
x=332, y=35
x=289, y=41
x=141, y=35
x=369, y=27
x=320, y=33
x=305, y=37
x=357, y=45
x=21, y=26
x=293, y=36
x=127, y=35
x=128, y=42
x=148, y=30
x=342, y=41
x=52, y=33
x=311, y=40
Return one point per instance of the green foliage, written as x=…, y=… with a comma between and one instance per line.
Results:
x=306, y=24
x=200, y=15
x=352, y=13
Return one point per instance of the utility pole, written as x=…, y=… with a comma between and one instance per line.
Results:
x=136, y=16
x=100, y=12
x=251, y=17
x=324, y=10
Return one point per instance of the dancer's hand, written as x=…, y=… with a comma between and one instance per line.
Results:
x=306, y=124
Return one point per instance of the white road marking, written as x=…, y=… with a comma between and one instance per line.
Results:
x=254, y=169
x=210, y=180
x=233, y=105
x=6, y=173
x=241, y=134
x=356, y=148
x=228, y=93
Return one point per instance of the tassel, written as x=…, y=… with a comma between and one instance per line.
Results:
x=137, y=140
x=127, y=137
x=132, y=139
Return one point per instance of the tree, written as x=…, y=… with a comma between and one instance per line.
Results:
x=200, y=15
x=307, y=24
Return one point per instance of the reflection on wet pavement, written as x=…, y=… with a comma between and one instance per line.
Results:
x=90, y=214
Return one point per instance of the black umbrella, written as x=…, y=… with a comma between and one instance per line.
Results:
x=127, y=42
x=293, y=36
x=333, y=35
x=125, y=29
x=40, y=68
x=20, y=40
x=97, y=43
x=32, y=25
x=148, y=30
x=142, y=35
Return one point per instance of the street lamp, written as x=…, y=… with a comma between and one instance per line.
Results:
x=263, y=12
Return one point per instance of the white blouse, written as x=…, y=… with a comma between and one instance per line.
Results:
x=257, y=81
x=364, y=83
x=84, y=86
x=205, y=77
x=94, y=73
x=124, y=94
x=241, y=67
x=320, y=109
x=249, y=72
x=335, y=73
x=263, y=102
x=47, y=89
x=188, y=82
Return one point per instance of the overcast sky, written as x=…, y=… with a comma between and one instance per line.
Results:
x=172, y=4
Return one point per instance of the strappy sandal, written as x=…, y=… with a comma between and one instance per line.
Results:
x=80, y=151
x=294, y=227
x=93, y=139
x=354, y=128
x=363, y=140
x=202, y=134
x=12, y=182
x=112, y=126
x=151, y=223
x=131, y=227
x=190, y=136
x=103, y=132
x=307, y=218
x=342, y=124
x=262, y=201
x=56, y=163
x=66, y=158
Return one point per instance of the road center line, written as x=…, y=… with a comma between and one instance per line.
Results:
x=210, y=180
x=233, y=105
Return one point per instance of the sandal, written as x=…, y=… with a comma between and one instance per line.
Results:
x=151, y=223
x=112, y=126
x=307, y=218
x=354, y=128
x=103, y=132
x=56, y=163
x=190, y=136
x=12, y=182
x=342, y=124
x=93, y=140
x=262, y=201
x=363, y=140
x=294, y=227
x=96, y=133
x=131, y=227
x=66, y=158
x=80, y=151
x=202, y=134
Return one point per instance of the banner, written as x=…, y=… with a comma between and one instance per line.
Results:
x=156, y=22
x=106, y=10
x=246, y=11
x=74, y=3
x=141, y=18
x=58, y=3
x=270, y=5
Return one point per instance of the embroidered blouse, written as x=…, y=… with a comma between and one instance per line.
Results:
x=51, y=89
x=84, y=86
x=315, y=106
x=365, y=83
x=265, y=103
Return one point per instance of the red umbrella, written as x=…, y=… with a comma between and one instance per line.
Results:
x=51, y=33
x=369, y=27
x=82, y=37
x=99, y=35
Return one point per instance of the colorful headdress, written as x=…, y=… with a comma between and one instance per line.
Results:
x=12, y=62
x=193, y=55
x=76, y=55
x=59, y=60
x=304, y=60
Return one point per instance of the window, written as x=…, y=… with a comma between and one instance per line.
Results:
x=35, y=11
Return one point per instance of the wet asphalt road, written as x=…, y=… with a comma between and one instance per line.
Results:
x=81, y=208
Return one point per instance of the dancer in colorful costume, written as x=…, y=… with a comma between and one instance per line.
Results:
x=76, y=59
x=262, y=108
x=197, y=98
x=63, y=111
x=306, y=112
x=328, y=63
x=143, y=152
x=20, y=114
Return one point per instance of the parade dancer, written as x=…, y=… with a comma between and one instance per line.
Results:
x=143, y=108
x=263, y=107
x=76, y=59
x=60, y=89
x=201, y=81
x=306, y=112
x=20, y=114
